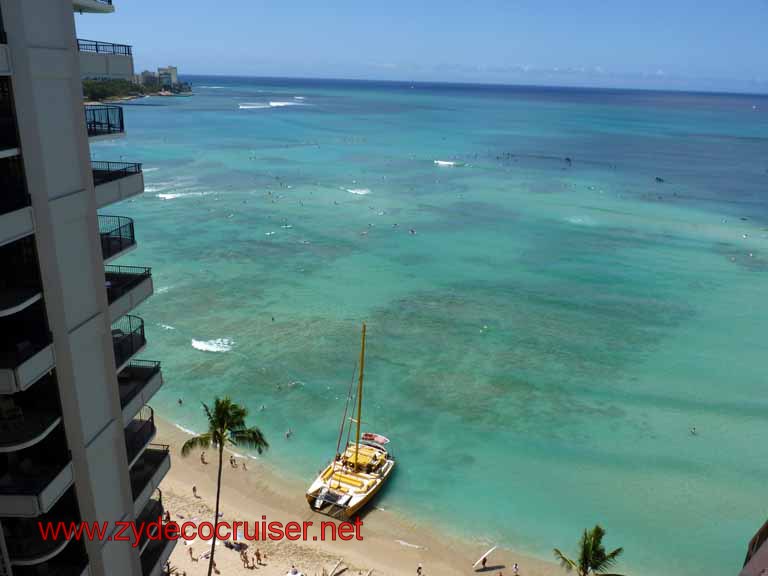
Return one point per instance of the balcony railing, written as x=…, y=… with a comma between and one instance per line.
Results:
x=152, y=512
x=22, y=535
x=23, y=286
x=116, y=234
x=144, y=468
x=13, y=183
x=26, y=417
x=97, y=47
x=72, y=561
x=9, y=137
x=134, y=377
x=103, y=120
x=30, y=471
x=139, y=432
x=104, y=172
x=119, y=280
x=127, y=338
x=3, y=38
x=23, y=335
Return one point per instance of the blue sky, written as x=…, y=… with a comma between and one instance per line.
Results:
x=678, y=44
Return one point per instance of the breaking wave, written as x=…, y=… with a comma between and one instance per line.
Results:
x=217, y=345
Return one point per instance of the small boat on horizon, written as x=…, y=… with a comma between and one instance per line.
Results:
x=355, y=475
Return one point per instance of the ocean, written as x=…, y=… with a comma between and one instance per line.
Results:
x=558, y=285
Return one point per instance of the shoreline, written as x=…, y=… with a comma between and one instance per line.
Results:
x=392, y=543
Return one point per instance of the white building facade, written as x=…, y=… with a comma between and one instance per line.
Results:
x=75, y=432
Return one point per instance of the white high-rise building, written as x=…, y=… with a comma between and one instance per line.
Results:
x=75, y=433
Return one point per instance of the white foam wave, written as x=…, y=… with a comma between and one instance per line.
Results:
x=279, y=104
x=299, y=98
x=162, y=290
x=213, y=87
x=358, y=191
x=265, y=105
x=145, y=170
x=409, y=545
x=447, y=163
x=174, y=195
x=580, y=220
x=166, y=327
x=186, y=430
x=217, y=345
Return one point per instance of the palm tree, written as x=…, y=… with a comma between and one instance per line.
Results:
x=592, y=556
x=226, y=427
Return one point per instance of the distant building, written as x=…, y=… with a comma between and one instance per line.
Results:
x=168, y=77
x=147, y=78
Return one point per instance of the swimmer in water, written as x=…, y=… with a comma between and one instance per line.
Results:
x=693, y=431
x=288, y=434
x=412, y=232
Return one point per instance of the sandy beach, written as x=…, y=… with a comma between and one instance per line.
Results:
x=390, y=545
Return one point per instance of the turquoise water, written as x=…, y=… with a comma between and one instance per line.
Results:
x=540, y=347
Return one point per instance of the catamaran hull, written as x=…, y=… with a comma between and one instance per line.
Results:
x=345, y=510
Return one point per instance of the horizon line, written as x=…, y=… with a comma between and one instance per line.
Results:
x=723, y=92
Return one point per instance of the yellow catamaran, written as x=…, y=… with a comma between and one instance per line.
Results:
x=355, y=475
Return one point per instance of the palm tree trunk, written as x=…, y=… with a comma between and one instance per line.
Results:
x=216, y=518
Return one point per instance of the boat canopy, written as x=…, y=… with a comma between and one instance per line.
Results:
x=378, y=438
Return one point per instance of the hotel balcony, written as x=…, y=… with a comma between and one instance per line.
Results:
x=73, y=561
x=34, y=479
x=9, y=136
x=137, y=383
x=26, y=351
x=152, y=512
x=128, y=339
x=22, y=288
x=105, y=60
x=15, y=212
x=116, y=181
x=147, y=473
x=117, y=236
x=5, y=62
x=155, y=555
x=22, y=535
x=97, y=6
x=104, y=122
x=139, y=433
x=29, y=417
x=127, y=287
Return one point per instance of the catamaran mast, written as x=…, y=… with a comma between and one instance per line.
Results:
x=360, y=396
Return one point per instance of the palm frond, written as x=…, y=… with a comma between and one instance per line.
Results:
x=249, y=438
x=203, y=441
x=565, y=562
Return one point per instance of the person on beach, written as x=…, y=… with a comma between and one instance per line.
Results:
x=485, y=561
x=419, y=570
x=191, y=555
x=232, y=461
x=515, y=569
x=244, y=468
x=194, y=492
x=202, y=457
